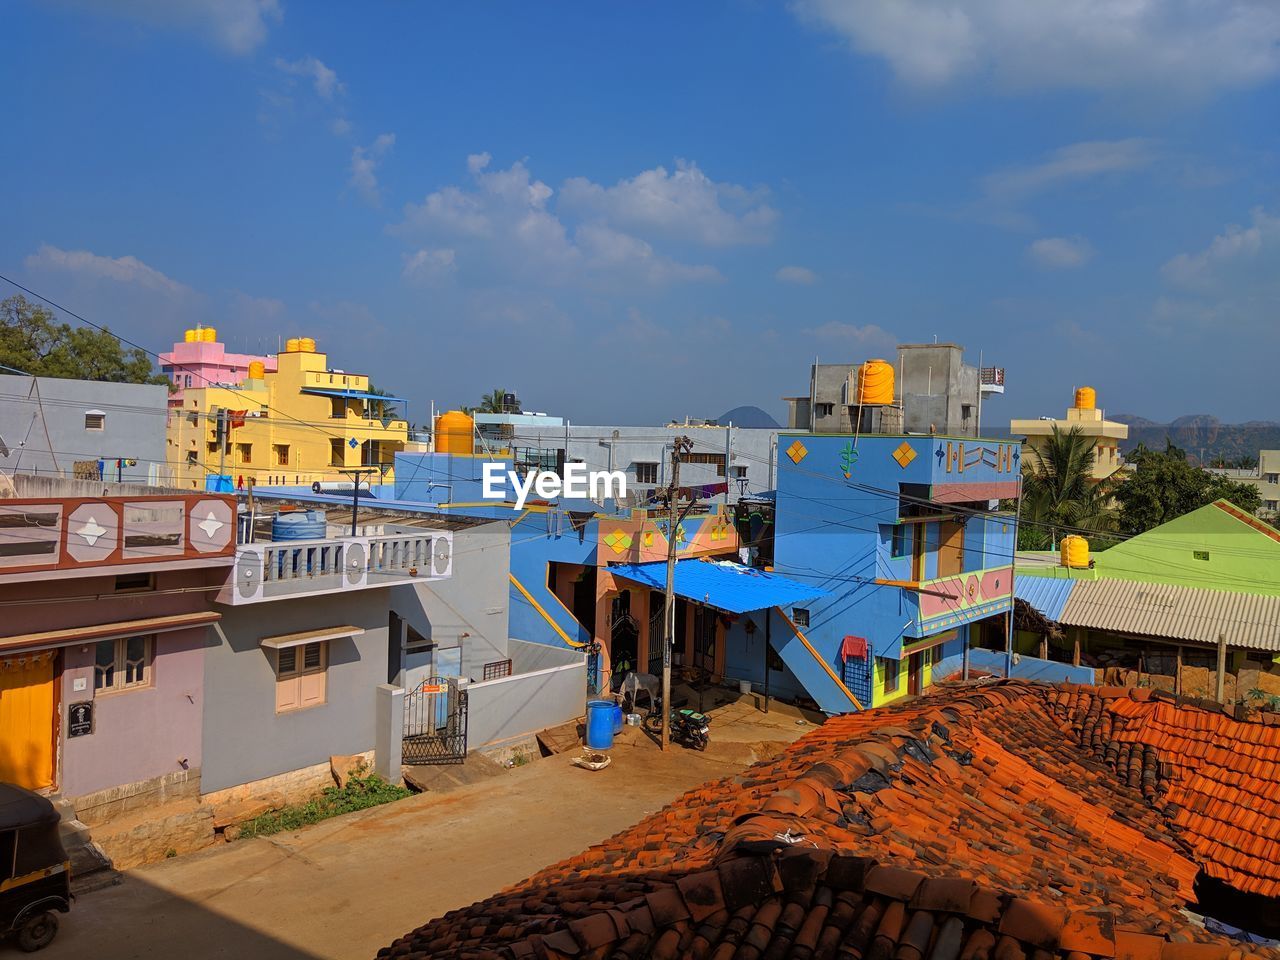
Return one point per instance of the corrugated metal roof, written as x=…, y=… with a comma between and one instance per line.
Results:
x=1247, y=620
x=1047, y=594
x=723, y=584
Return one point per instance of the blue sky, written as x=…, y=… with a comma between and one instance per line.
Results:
x=628, y=213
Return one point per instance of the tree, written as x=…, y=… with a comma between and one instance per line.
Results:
x=1059, y=494
x=32, y=341
x=1165, y=485
x=490, y=403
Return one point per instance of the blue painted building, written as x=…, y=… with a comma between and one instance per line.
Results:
x=902, y=535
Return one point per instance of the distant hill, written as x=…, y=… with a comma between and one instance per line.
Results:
x=750, y=417
x=1204, y=437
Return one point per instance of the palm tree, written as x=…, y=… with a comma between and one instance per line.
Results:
x=490, y=403
x=1059, y=494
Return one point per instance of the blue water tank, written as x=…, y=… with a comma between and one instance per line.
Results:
x=600, y=724
x=299, y=525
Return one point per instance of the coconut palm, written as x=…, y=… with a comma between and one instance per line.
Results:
x=1059, y=494
x=490, y=403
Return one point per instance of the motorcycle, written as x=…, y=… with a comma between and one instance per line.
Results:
x=688, y=727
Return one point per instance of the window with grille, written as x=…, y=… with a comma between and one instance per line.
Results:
x=646, y=473
x=245, y=451
x=95, y=420
x=122, y=664
x=800, y=616
x=301, y=676
x=282, y=454
x=710, y=458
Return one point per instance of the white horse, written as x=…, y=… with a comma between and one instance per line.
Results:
x=634, y=682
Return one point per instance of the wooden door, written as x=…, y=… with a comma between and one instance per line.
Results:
x=27, y=705
x=950, y=548
x=915, y=666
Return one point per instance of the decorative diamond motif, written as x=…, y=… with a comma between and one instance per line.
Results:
x=91, y=530
x=797, y=452
x=210, y=525
x=904, y=454
x=353, y=443
x=618, y=541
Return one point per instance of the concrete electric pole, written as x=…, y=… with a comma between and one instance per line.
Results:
x=679, y=447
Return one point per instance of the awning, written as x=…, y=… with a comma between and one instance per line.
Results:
x=283, y=640
x=1047, y=595
x=351, y=394
x=106, y=631
x=722, y=584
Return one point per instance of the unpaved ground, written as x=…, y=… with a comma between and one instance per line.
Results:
x=346, y=887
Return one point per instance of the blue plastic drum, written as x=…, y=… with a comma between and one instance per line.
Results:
x=600, y=723
x=617, y=719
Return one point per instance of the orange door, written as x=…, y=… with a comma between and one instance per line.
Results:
x=26, y=720
x=950, y=548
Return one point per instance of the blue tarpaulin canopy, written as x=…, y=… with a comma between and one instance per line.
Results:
x=1046, y=594
x=722, y=584
x=351, y=394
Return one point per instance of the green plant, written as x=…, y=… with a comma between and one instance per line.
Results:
x=1059, y=494
x=520, y=757
x=1257, y=693
x=360, y=793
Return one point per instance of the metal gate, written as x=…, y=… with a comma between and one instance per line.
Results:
x=435, y=722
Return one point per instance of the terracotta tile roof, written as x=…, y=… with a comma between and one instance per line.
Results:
x=1216, y=779
x=985, y=823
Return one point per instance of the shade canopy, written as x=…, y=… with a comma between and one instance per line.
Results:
x=283, y=640
x=723, y=584
x=351, y=394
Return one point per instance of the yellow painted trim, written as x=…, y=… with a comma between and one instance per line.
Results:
x=545, y=616
x=34, y=876
x=825, y=666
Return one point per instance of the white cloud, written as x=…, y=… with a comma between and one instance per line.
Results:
x=323, y=79
x=800, y=275
x=502, y=223
x=429, y=266
x=851, y=335
x=1061, y=252
x=90, y=266
x=1179, y=47
x=1077, y=161
x=364, y=166
x=238, y=26
x=684, y=203
x=1235, y=245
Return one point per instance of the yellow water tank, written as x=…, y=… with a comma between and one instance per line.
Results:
x=209, y=335
x=1086, y=398
x=1075, y=552
x=307, y=345
x=875, y=382
x=292, y=345
x=257, y=370
x=190, y=336
x=455, y=433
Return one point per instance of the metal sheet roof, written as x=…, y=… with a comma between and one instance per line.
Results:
x=722, y=584
x=1171, y=612
x=1047, y=594
x=351, y=394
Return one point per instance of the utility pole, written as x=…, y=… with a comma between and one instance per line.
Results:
x=222, y=443
x=1013, y=562
x=356, y=473
x=679, y=447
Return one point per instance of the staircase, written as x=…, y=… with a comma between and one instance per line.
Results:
x=91, y=869
x=819, y=676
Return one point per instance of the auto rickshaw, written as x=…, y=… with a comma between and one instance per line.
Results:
x=35, y=874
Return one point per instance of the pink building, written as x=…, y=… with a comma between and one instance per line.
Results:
x=200, y=360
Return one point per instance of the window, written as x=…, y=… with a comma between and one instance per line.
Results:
x=301, y=676
x=1272, y=504
x=900, y=542
x=710, y=458
x=95, y=420
x=245, y=450
x=800, y=616
x=192, y=457
x=1272, y=478
x=281, y=451
x=122, y=664
x=740, y=473
x=1200, y=554
x=135, y=582
x=337, y=453
x=646, y=473
x=891, y=670
x=187, y=380
x=824, y=409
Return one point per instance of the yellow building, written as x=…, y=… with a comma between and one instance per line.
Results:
x=1085, y=417
x=302, y=423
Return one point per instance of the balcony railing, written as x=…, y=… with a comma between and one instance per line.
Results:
x=298, y=568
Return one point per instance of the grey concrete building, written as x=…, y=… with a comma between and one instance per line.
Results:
x=936, y=391
x=49, y=426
